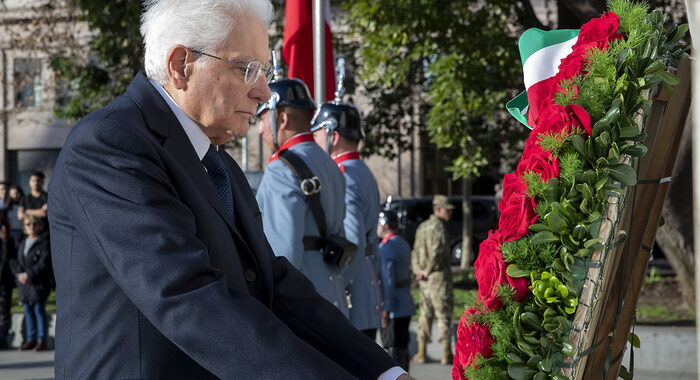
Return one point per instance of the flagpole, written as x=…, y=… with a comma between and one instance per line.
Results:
x=319, y=51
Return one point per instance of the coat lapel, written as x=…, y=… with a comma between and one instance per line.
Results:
x=160, y=118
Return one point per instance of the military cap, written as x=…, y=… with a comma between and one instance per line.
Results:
x=442, y=201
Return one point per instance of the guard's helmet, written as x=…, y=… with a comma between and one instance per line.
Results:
x=287, y=92
x=389, y=218
x=341, y=117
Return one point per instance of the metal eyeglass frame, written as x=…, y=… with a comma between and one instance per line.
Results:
x=247, y=68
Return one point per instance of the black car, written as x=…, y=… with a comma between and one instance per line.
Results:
x=413, y=211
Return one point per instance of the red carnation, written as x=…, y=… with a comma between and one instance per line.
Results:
x=517, y=209
x=490, y=272
x=473, y=339
x=545, y=164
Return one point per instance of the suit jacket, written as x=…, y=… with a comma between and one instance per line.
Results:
x=396, y=277
x=361, y=214
x=287, y=217
x=156, y=281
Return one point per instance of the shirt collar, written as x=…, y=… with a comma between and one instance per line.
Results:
x=197, y=138
x=350, y=155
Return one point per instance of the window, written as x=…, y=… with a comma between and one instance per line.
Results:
x=27, y=80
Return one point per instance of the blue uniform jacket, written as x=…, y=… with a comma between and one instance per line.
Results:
x=287, y=217
x=362, y=274
x=396, y=268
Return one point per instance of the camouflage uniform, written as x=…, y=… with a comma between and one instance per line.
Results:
x=431, y=253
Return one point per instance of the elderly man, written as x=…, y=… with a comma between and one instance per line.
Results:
x=430, y=260
x=162, y=267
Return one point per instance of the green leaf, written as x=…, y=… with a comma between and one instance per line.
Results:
x=546, y=365
x=515, y=271
x=540, y=376
x=624, y=173
x=534, y=360
x=636, y=150
x=601, y=182
x=556, y=222
x=519, y=371
x=634, y=340
x=680, y=32
x=669, y=79
x=514, y=358
x=613, y=113
x=623, y=374
x=656, y=66
x=580, y=146
x=537, y=227
x=543, y=237
x=603, y=126
x=567, y=349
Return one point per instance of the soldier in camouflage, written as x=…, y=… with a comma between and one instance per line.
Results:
x=431, y=267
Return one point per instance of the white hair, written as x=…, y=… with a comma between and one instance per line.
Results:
x=196, y=24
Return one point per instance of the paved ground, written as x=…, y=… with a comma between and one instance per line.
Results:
x=16, y=365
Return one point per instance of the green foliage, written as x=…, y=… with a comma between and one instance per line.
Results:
x=115, y=55
x=597, y=87
x=535, y=184
x=553, y=142
x=633, y=20
x=444, y=68
x=569, y=164
x=527, y=255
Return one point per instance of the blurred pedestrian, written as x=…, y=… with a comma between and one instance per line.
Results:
x=32, y=268
x=7, y=280
x=34, y=203
x=16, y=228
x=431, y=267
x=297, y=221
x=396, y=288
x=338, y=130
x=4, y=196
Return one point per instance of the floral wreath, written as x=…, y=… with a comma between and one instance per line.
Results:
x=584, y=136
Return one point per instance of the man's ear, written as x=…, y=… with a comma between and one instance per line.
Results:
x=335, y=138
x=283, y=120
x=179, y=66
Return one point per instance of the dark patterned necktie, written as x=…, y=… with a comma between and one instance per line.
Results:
x=219, y=177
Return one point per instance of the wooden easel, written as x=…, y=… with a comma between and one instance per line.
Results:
x=613, y=303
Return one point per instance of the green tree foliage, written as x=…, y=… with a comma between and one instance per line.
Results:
x=444, y=67
x=114, y=56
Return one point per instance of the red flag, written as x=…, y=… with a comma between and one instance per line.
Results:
x=298, y=49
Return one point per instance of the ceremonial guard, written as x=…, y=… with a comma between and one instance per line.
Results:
x=431, y=266
x=298, y=221
x=337, y=129
x=395, y=253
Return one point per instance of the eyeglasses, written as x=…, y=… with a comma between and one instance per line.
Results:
x=252, y=70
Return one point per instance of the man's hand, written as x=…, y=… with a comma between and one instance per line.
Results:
x=421, y=275
x=22, y=278
x=405, y=377
x=385, y=319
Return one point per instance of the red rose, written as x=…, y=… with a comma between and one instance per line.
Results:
x=555, y=119
x=473, y=339
x=517, y=209
x=490, y=272
x=599, y=31
x=545, y=164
